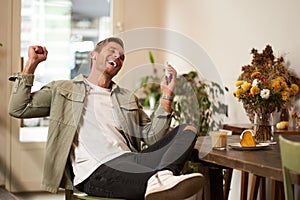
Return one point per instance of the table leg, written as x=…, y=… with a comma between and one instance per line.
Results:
x=204, y=169
x=254, y=187
x=277, y=190
x=244, y=185
x=216, y=183
x=213, y=188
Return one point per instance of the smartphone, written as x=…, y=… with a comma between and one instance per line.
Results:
x=167, y=74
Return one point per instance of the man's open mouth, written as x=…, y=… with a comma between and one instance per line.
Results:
x=113, y=63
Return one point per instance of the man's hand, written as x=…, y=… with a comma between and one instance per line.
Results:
x=36, y=54
x=167, y=89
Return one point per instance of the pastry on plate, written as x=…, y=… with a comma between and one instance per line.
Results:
x=247, y=139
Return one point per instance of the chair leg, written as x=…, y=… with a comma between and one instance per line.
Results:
x=68, y=194
x=263, y=188
x=280, y=190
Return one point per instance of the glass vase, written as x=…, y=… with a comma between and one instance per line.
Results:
x=263, y=127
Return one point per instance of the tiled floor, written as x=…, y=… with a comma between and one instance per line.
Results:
x=5, y=195
x=40, y=196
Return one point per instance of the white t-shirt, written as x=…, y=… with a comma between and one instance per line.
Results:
x=97, y=139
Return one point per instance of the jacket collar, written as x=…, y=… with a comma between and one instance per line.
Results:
x=80, y=79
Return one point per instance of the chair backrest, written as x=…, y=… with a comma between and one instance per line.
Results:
x=290, y=158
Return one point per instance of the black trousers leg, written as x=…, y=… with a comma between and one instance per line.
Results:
x=126, y=176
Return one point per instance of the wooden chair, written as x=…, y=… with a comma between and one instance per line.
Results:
x=290, y=154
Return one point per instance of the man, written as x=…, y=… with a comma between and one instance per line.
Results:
x=98, y=127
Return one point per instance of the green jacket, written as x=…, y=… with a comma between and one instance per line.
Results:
x=63, y=101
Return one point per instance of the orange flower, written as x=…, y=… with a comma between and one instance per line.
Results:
x=239, y=83
x=285, y=95
x=238, y=93
x=275, y=85
x=294, y=89
x=246, y=86
x=284, y=85
x=254, y=74
x=255, y=90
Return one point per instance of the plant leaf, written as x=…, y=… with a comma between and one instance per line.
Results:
x=151, y=57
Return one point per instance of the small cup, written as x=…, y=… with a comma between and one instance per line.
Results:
x=218, y=140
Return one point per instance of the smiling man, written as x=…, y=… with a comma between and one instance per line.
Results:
x=97, y=128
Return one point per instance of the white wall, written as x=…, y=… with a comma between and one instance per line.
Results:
x=227, y=30
x=143, y=13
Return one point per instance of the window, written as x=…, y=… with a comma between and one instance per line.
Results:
x=69, y=30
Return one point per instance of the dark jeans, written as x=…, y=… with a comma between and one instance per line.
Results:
x=126, y=176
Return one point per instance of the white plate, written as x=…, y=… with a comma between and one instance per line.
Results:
x=238, y=146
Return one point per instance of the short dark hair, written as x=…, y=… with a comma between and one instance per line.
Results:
x=100, y=44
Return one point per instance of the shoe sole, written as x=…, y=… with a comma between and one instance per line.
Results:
x=182, y=190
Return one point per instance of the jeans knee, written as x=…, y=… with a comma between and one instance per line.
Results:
x=190, y=128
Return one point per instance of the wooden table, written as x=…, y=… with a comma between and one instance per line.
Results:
x=237, y=129
x=262, y=163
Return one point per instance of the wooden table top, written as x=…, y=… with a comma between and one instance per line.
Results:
x=264, y=162
x=237, y=129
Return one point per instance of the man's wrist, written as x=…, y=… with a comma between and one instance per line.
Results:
x=167, y=97
x=30, y=67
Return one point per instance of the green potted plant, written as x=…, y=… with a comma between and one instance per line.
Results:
x=150, y=86
x=197, y=101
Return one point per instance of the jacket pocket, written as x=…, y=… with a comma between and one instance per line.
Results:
x=129, y=106
x=130, y=111
x=71, y=95
x=67, y=106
